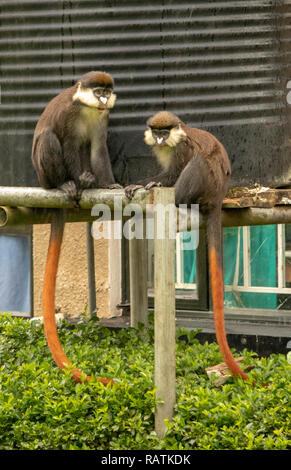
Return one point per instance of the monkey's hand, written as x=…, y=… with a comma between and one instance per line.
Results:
x=115, y=186
x=152, y=184
x=130, y=190
x=87, y=180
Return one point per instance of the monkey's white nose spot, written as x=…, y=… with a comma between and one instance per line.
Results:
x=103, y=99
x=160, y=140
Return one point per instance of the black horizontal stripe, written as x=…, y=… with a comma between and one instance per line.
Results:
x=217, y=62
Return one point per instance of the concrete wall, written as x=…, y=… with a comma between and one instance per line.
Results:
x=72, y=284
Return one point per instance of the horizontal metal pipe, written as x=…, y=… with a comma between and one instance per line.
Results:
x=248, y=216
x=57, y=199
x=256, y=216
x=13, y=216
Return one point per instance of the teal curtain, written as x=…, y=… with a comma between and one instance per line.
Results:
x=189, y=256
x=263, y=247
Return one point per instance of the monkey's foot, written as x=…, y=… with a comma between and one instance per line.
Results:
x=115, y=186
x=69, y=187
x=130, y=190
x=87, y=180
x=152, y=184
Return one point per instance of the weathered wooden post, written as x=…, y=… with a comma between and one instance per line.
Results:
x=138, y=281
x=91, y=270
x=164, y=312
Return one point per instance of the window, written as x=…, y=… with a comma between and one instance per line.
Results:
x=257, y=267
x=15, y=272
x=191, y=271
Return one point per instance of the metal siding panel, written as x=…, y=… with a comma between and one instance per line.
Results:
x=221, y=65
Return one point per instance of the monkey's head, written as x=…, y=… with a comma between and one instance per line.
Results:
x=164, y=129
x=95, y=89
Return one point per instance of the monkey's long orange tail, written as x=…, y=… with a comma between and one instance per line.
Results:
x=56, y=237
x=217, y=288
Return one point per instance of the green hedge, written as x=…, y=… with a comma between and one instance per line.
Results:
x=42, y=408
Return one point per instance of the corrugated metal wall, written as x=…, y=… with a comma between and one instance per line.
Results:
x=221, y=65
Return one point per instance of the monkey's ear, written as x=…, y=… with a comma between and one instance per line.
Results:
x=148, y=137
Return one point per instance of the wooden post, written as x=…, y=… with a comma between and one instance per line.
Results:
x=164, y=314
x=138, y=281
x=114, y=267
x=91, y=270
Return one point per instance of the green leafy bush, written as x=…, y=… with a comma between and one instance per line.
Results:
x=42, y=408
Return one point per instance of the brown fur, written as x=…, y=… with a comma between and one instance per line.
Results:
x=69, y=152
x=63, y=150
x=199, y=170
x=163, y=119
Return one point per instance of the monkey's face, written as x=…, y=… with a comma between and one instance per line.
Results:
x=161, y=137
x=104, y=96
x=100, y=97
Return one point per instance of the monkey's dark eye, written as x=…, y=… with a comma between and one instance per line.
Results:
x=107, y=92
x=161, y=133
x=102, y=92
x=98, y=91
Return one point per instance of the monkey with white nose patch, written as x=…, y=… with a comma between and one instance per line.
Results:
x=197, y=165
x=69, y=152
x=69, y=149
